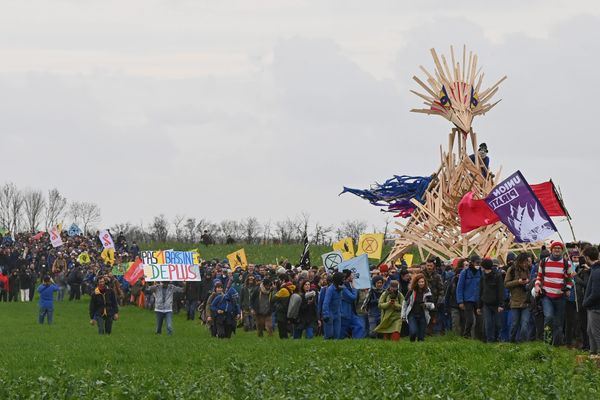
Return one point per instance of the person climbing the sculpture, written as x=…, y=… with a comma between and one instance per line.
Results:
x=483, y=153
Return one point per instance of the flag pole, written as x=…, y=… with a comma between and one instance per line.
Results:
x=562, y=203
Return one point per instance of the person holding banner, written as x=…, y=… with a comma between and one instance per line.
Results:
x=163, y=305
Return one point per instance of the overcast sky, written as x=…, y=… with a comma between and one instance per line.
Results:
x=267, y=108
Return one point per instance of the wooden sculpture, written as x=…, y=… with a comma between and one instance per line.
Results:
x=454, y=92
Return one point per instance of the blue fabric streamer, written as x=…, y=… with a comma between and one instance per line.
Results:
x=395, y=193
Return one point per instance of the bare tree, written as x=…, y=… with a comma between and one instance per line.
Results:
x=160, y=228
x=230, y=229
x=190, y=229
x=251, y=228
x=266, y=230
x=302, y=225
x=387, y=221
x=75, y=211
x=57, y=204
x=352, y=229
x=34, y=204
x=322, y=234
x=90, y=215
x=11, y=204
x=286, y=231
x=178, y=225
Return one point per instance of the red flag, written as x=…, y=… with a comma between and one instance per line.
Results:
x=474, y=213
x=38, y=236
x=135, y=272
x=547, y=195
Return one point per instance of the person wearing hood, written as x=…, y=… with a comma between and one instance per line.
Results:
x=331, y=307
x=390, y=304
x=210, y=318
x=351, y=323
x=553, y=284
x=467, y=297
x=163, y=304
x=261, y=307
x=371, y=305
x=491, y=300
x=281, y=302
x=226, y=311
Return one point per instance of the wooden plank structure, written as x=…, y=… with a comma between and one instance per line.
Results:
x=434, y=227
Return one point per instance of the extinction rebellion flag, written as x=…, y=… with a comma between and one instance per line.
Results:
x=517, y=206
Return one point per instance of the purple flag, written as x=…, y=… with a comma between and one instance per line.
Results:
x=520, y=210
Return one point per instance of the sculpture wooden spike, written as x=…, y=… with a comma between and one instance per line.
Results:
x=434, y=227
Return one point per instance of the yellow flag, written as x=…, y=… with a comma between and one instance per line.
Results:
x=408, y=258
x=346, y=247
x=59, y=227
x=84, y=258
x=238, y=259
x=108, y=255
x=195, y=255
x=370, y=244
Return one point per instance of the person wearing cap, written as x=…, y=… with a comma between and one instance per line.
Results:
x=553, y=284
x=483, y=153
x=467, y=297
x=591, y=300
x=390, y=304
x=491, y=299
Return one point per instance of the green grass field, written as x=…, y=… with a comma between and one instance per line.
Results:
x=70, y=360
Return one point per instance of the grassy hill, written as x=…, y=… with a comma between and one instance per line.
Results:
x=70, y=360
x=257, y=254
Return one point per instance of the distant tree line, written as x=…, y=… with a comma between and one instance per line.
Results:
x=31, y=210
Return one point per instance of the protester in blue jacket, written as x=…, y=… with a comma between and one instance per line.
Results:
x=467, y=296
x=46, y=291
x=226, y=311
x=352, y=325
x=331, y=309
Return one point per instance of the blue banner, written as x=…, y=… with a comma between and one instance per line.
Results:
x=360, y=268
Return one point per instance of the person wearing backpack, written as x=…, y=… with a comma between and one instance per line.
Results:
x=281, y=301
x=553, y=284
x=491, y=299
x=516, y=281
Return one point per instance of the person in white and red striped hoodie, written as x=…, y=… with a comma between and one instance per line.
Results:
x=554, y=284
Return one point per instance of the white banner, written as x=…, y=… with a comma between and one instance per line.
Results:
x=171, y=272
x=106, y=239
x=55, y=237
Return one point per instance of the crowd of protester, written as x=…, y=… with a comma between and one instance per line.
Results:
x=554, y=296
